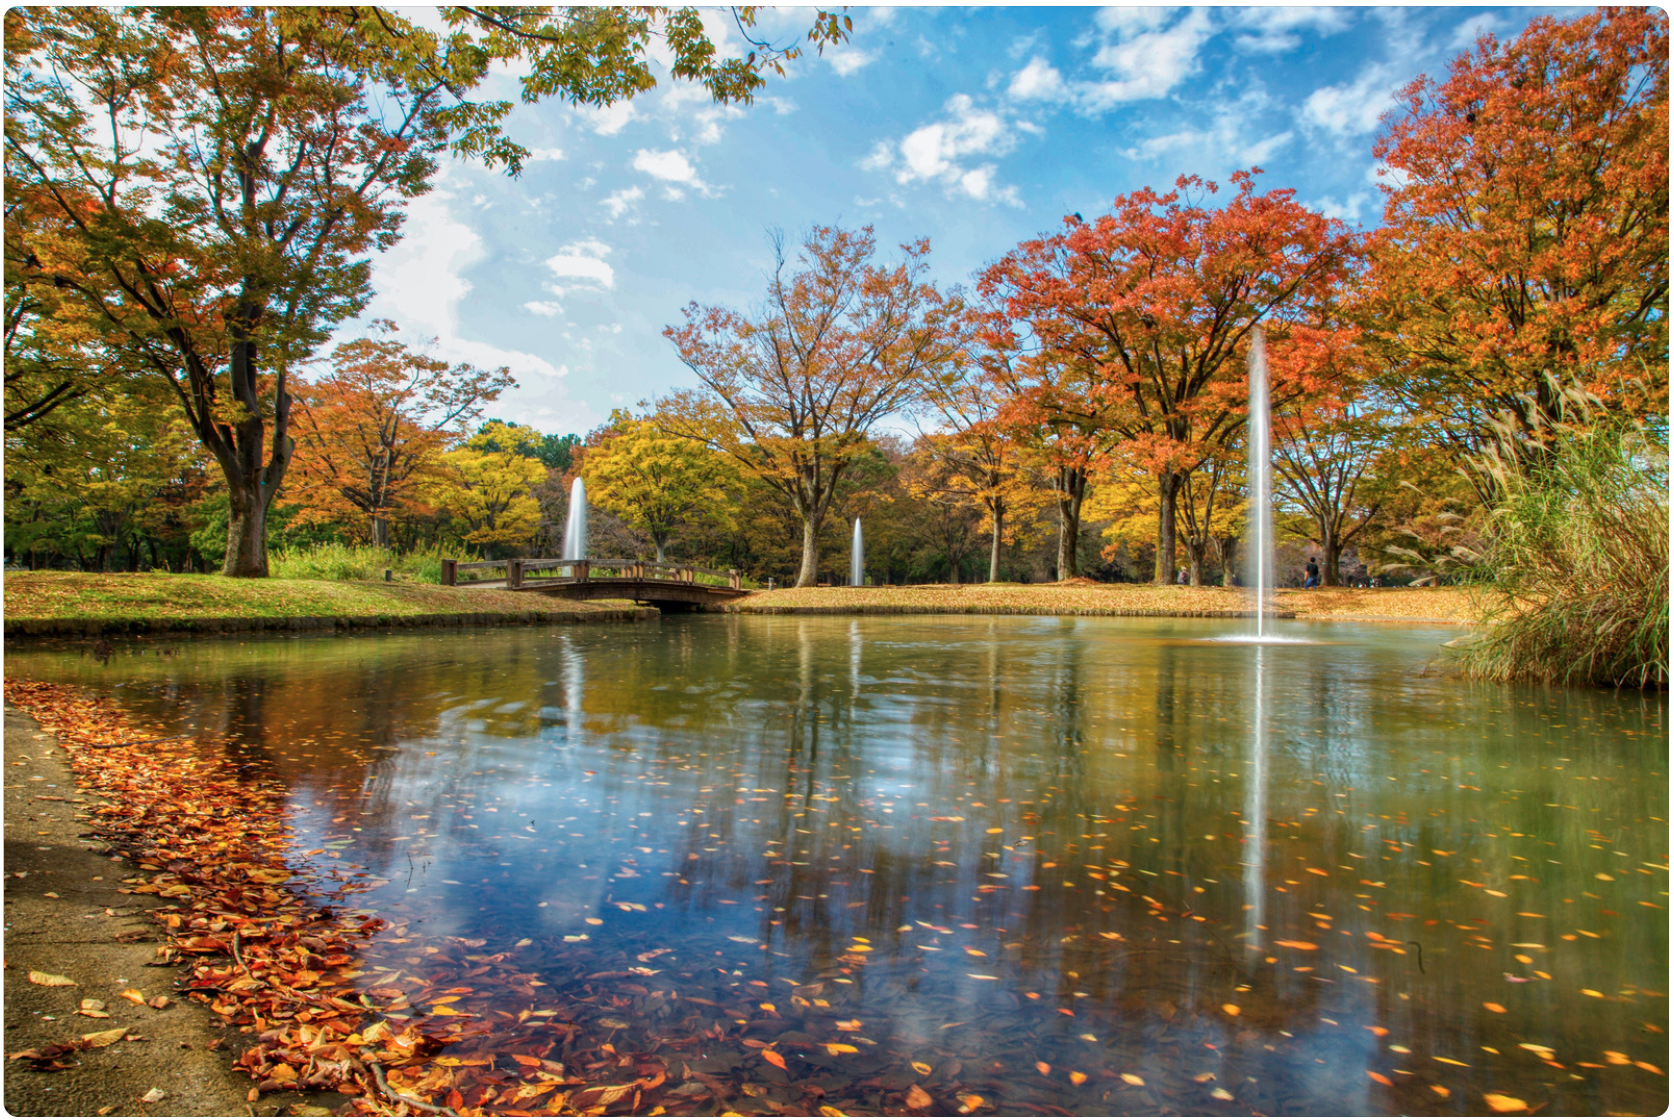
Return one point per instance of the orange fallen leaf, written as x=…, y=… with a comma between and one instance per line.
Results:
x=775, y=1057
x=970, y=1102
x=1077, y=1077
x=1379, y=1078
x=1495, y=1008
x=921, y=1069
x=918, y=1098
x=1230, y=1008
x=1045, y=1070
x=1304, y=946
x=841, y=1048
x=1441, y=1091
x=1499, y=1102
x=132, y=993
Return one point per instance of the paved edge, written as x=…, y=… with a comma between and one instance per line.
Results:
x=76, y=935
x=978, y=608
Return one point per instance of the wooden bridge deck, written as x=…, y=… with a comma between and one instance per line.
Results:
x=663, y=585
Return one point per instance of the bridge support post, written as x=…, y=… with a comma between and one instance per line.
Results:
x=450, y=573
x=735, y=580
x=514, y=575
x=581, y=571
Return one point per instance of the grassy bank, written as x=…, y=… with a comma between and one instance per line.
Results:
x=1443, y=604
x=87, y=602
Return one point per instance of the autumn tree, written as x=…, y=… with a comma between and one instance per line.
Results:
x=791, y=391
x=212, y=180
x=485, y=486
x=1147, y=312
x=969, y=398
x=1525, y=244
x=379, y=414
x=654, y=481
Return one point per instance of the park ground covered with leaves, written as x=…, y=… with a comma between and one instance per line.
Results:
x=1415, y=604
x=158, y=599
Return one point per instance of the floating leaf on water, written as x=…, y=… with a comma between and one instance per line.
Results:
x=1045, y=1070
x=774, y=1057
x=1230, y=1008
x=1379, y=1078
x=841, y=1048
x=1303, y=946
x=1441, y=1091
x=1495, y=1008
x=1220, y=1094
x=970, y=1102
x=1133, y=1079
x=1499, y=1102
x=918, y=1098
x=921, y=1069
x=980, y=976
x=1617, y=1058
x=1077, y=1077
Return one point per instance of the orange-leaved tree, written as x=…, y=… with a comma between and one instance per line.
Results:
x=377, y=418
x=1525, y=243
x=791, y=391
x=1149, y=308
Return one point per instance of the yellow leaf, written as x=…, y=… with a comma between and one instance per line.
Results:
x=104, y=1038
x=1045, y=1070
x=1499, y=1102
x=1230, y=1008
x=827, y=1110
x=921, y=1069
x=1495, y=1008
x=51, y=980
x=1617, y=1058
x=134, y=994
x=848, y=1024
x=1077, y=1077
x=841, y=1048
x=1441, y=1091
x=443, y=1010
x=1304, y=946
x=970, y=1102
x=1133, y=1079
x=1590, y=992
x=1220, y=1094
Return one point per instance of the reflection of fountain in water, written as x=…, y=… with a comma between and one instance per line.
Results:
x=570, y=677
x=575, y=526
x=857, y=559
x=854, y=655
x=1255, y=813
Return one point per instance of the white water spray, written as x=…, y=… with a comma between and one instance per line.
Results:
x=575, y=526
x=1261, y=480
x=857, y=559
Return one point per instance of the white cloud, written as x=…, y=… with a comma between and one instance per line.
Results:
x=1038, y=81
x=1354, y=108
x=582, y=263
x=420, y=285
x=544, y=307
x=940, y=152
x=670, y=166
x=1275, y=30
x=847, y=60
x=608, y=120
x=622, y=201
x=1145, y=56
x=540, y=155
x=1230, y=141
x=1466, y=34
x=1349, y=210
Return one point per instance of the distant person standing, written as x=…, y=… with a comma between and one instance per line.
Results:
x=1313, y=575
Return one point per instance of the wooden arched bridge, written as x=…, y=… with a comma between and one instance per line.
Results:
x=667, y=586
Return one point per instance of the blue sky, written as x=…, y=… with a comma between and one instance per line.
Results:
x=974, y=127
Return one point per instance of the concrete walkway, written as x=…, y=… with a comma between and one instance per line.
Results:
x=64, y=916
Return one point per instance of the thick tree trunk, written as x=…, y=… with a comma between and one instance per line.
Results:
x=1195, y=550
x=1229, y=561
x=810, y=552
x=1331, y=560
x=659, y=545
x=246, y=534
x=994, y=547
x=380, y=531
x=1072, y=488
x=1168, y=490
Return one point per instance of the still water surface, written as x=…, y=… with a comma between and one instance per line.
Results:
x=1064, y=865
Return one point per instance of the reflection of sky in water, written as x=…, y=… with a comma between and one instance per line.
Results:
x=1080, y=841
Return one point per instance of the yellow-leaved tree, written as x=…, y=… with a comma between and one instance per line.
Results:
x=485, y=487
x=657, y=482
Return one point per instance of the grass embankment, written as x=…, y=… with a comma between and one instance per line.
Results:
x=1419, y=604
x=95, y=603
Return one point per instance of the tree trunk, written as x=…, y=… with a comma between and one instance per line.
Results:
x=380, y=531
x=1168, y=489
x=994, y=547
x=1072, y=487
x=659, y=545
x=810, y=552
x=1229, y=561
x=246, y=533
x=1331, y=559
x=1195, y=550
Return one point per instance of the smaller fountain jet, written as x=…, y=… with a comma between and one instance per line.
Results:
x=857, y=559
x=575, y=526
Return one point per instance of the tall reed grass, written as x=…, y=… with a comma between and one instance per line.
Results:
x=1573, y=559
x=342, y=561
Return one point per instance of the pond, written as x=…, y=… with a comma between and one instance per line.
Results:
x=1012, y=865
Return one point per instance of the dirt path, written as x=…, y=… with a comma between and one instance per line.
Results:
x=64, y=916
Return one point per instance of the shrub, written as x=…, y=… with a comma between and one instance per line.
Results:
x=1573, y=559
x=341, y=561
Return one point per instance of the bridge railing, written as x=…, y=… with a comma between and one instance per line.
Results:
x=584, y=571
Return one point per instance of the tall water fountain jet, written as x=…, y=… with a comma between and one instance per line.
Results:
x=1261, y=479
x=575, y=526
x=857, y=559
